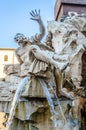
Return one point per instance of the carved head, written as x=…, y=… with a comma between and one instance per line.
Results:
x=20, y=39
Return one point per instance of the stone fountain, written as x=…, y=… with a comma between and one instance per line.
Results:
x=43, y=91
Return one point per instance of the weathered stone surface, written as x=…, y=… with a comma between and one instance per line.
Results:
x=36, y=114
x=13, y=79
x=7, y=91
x=69, y=41
x=11, y=69
x=8, y=87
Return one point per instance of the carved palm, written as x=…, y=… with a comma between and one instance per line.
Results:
x=35, y=15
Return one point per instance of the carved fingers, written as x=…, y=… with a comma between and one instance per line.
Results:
x=35, y=15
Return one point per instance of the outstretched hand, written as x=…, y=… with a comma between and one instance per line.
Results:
x=35, y=15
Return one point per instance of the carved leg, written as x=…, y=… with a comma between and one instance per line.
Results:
x=46, y=56
x=59, y=82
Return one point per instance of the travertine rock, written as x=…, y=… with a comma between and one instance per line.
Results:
x=36, y=114
x=11, y=69
x=7, y=91
x=14, y=79
x=69, y=41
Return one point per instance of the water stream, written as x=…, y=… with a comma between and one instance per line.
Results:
x=15, y=102
x=53, y=102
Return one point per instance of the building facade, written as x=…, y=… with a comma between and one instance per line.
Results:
x=62, y=7
x=7, y=56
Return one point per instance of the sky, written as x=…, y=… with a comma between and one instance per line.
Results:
x=15, y=18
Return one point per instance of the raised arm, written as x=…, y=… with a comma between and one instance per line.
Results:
x=36, y=16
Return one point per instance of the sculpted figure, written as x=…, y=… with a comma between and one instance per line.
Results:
x=41, y=58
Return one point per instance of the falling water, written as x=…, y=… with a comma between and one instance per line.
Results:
x=15, y=101
x=53, y=102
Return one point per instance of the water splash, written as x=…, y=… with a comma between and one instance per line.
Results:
x=15, y=102
x=53, y=102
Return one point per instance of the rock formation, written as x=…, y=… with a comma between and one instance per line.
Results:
x=49, y=98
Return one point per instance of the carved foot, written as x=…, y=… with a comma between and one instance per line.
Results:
x=69, y=95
